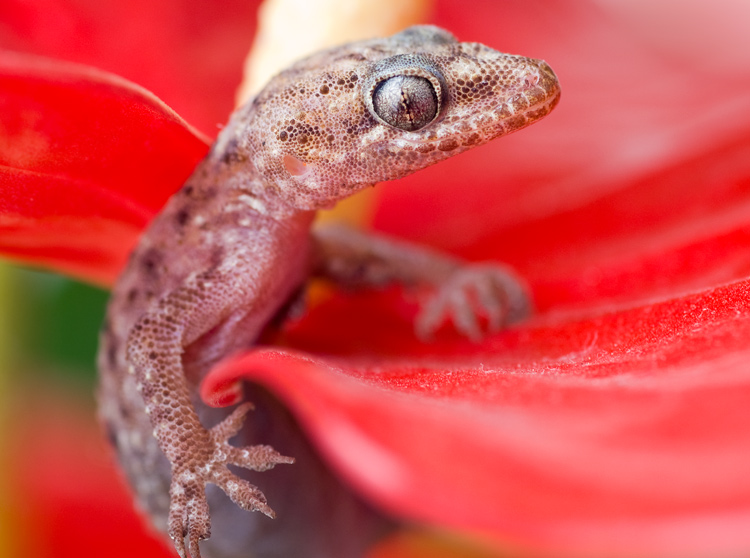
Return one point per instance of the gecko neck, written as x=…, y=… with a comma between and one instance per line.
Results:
x=246, y=189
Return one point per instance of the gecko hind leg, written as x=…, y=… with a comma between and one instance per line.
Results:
x=189, y=518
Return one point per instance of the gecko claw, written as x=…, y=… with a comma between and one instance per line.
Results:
x=230, y=426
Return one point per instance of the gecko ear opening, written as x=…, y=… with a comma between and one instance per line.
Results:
x=294, y=166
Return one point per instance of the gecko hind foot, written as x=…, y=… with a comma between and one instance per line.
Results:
x=189, y=517
x=490, y=290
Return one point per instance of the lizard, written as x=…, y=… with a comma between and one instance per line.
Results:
x=236, y=244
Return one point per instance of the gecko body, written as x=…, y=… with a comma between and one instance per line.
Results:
x=234, y=245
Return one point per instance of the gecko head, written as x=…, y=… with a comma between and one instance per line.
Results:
x=347, y=118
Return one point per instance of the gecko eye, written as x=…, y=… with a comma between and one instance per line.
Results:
x=405, y=102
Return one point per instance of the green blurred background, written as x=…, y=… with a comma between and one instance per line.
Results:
x=48, y=338
x=50, y=324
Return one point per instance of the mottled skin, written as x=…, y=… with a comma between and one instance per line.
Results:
x=234, y=246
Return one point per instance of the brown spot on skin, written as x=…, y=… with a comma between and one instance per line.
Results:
x=112, y=354
x=111, y=434
x=515, y=123
x=230, y=150
x=534, y=96
x=150, y=261
x=132, y=295
x=472, y=139
x=217, y=257
x=182, y=217
x=542, y=111
x=324, y=89
x=448, y=145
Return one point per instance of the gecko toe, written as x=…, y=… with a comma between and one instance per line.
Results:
x=231, y=425
x=189, y=516
x=491, y=291
x=256, y=458
x=243, y=493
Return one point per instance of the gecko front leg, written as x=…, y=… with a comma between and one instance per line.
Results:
x=462, y=291
x=197, y=455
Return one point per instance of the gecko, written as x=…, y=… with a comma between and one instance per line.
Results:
x=235, y=246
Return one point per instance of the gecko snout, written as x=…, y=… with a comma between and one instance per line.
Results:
x=538, y=91
x=547, y=80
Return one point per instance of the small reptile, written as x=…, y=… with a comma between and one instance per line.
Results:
x=233, y=249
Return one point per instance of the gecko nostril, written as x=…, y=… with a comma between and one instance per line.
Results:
x=532, y=78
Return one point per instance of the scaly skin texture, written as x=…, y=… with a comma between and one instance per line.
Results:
x=234, y=246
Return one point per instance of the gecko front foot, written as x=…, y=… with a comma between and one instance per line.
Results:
x=489, y=290
x=189, y=518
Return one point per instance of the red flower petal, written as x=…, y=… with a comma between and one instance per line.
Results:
x=67, y=499
x=624, y=431
x=188, y=52
x=86, y=159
